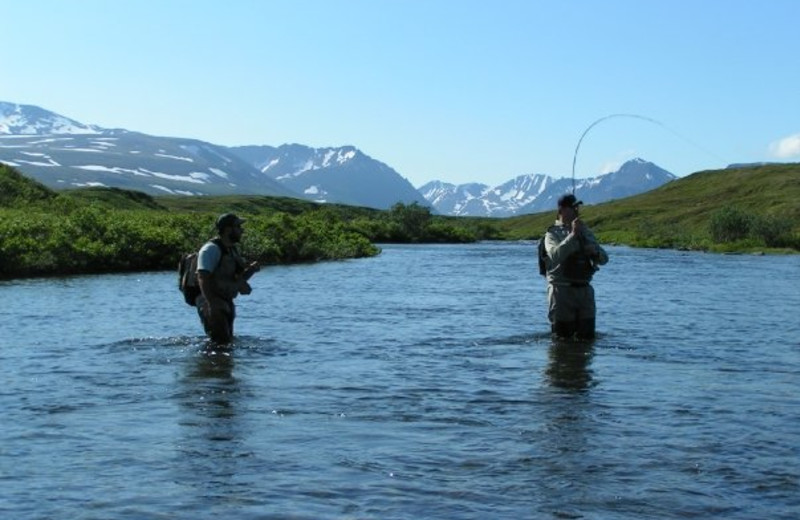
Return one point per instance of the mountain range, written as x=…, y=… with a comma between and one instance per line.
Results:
x=63, y=153
x=538, y=192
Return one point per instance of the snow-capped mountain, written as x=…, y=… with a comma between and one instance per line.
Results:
x=537, y=192
x=62, y=154
x=342, y=175
x=482, y=200
x=32, y=120
x=451, y=199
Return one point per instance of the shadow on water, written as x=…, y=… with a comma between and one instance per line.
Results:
x=570, y=364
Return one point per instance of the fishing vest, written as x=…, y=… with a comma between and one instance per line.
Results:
x=225, y=278
x=579, y=268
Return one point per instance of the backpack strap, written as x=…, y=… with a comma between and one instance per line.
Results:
x=230, y=251
x=220, y=245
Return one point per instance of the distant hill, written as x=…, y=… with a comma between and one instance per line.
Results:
x=538, y=192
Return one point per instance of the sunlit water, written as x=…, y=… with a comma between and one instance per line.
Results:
x=421, y=384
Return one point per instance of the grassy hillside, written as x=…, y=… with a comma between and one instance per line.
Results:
x=760, y=205
x=16, y=190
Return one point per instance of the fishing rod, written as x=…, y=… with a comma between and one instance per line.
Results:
x=634, y=116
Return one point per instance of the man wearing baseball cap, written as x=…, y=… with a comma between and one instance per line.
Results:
x=222, y=275
x=571, y=255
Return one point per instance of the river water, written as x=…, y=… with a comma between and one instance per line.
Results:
x=420, y=384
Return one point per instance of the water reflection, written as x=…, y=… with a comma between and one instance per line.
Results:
x=211, y=424
x=569, y=365
x=213, y=363
x=209, y=389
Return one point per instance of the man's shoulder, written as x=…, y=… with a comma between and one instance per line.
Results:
x=209, y=256
x=209, y=246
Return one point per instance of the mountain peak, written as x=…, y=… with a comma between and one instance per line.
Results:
x=342, y=174
x=31, y=120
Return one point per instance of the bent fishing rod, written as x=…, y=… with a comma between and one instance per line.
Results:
x=634, y=116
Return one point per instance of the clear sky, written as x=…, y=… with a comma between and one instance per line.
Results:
x=453, y=90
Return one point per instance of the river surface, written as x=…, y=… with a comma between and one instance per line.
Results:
x=420, y=384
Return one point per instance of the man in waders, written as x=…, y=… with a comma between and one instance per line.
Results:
x=571, y=255
x=222, y=275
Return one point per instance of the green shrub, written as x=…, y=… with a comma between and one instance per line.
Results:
x=771, y=231
x=729, y=224
x=735, y=227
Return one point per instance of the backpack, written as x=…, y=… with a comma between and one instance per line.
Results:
x=542, y=256
x=187, y=277
x=187, y=274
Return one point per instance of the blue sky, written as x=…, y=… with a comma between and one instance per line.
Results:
x=454, y=90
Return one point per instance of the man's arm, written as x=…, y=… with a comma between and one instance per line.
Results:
x=593, y=247
x=206, y=286
x=559, y=251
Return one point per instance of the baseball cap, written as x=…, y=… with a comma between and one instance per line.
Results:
x=568, y=200
x=228, y=219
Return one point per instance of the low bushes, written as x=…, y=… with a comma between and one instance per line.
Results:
x=733, y=225
x=91, y=239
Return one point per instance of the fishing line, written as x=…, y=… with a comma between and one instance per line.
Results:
x=634, y=116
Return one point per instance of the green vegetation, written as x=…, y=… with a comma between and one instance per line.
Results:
x=17, y=191
x=98, y=230
x=736, y=210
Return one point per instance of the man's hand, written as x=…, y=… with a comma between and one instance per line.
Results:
x=244, y=287
x=577, y=227
x=250, y=270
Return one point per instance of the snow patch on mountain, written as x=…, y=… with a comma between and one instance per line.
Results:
x=176, y=157
x=219, y=173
